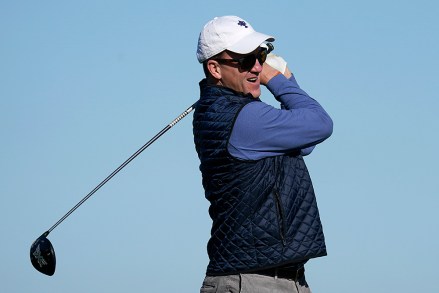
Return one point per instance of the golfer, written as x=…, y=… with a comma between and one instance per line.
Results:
x=266, y=223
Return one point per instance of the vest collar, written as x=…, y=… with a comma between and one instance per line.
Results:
x=209, y=90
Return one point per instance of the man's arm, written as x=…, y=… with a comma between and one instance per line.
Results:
x=263, y=131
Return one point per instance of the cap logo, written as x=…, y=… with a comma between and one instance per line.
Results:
x=242, y=23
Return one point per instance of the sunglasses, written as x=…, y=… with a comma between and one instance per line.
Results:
x=247, y=62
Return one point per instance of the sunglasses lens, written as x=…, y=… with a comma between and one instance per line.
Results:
x=262, y=56
x=248, y=62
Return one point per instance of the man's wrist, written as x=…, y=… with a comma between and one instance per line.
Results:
x=267, y=77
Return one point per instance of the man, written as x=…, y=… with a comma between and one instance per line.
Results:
x=266, y=223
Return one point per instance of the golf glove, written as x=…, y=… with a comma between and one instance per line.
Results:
x=276, y=62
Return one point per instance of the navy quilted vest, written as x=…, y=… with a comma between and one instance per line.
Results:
x=264, y=212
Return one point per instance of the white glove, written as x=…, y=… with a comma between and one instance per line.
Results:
x=276, y=62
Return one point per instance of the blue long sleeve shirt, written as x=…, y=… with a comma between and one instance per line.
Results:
x=262, y=130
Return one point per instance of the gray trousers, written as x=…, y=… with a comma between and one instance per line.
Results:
x=253, y=283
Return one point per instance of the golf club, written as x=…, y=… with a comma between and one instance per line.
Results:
x=42, y=254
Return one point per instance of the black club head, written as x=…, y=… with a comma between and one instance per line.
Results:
x=42, y=255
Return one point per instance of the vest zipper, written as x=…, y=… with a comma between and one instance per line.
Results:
x=281, y=217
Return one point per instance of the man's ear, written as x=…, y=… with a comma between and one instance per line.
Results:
x=214, y=69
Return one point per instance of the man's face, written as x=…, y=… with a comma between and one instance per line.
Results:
x=233, y=77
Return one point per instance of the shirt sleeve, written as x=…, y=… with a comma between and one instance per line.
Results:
x=262, y=130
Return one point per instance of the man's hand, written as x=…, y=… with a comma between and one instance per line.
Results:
x=273, y=66
x=267, y=73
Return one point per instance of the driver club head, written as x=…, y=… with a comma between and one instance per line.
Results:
x=42, y=255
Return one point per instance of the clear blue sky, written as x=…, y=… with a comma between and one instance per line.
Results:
x=83, y=84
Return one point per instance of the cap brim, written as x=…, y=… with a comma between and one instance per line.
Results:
x=250, y=43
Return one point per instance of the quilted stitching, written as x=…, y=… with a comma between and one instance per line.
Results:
x=247, y=226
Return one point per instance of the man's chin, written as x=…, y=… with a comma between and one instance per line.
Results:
x=255, y=93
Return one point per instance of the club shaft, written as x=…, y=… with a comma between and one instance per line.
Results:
x=151, y=141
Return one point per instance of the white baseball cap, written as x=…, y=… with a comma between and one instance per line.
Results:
x=228, y=33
